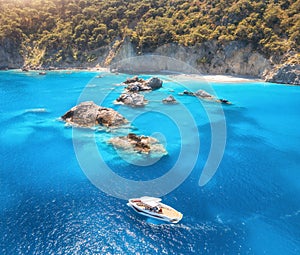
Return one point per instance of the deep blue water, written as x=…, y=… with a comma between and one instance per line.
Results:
x=49, y=205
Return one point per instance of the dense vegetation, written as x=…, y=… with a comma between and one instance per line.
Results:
x=56, y=30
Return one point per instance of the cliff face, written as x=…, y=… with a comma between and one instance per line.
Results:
x=288, y=74
x=233, y=58
x=208, y=58
x=9, y=54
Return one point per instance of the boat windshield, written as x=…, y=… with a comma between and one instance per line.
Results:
x=150, y=199
x=151, y=203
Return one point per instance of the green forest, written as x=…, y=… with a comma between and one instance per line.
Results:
x=53, y=30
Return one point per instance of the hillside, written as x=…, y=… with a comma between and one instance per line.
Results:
x=78, y=32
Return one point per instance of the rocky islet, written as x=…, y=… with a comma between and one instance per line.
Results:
x=202, y=94
x=89, y=115
x=131, y=95
x=133, y=143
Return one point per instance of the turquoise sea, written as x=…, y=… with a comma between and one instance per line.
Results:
x=53, y=203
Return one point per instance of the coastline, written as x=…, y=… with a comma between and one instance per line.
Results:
x=218, y=78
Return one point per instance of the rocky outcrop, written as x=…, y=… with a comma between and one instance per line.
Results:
x=131, y=95
x=200, y=94
x=169, y=100
x=288, y=74
x=136, y=84
x=154, y=83
x=133, y=80
x=205, y=96
x=133, y=143
x=132, y=99
x=137, y=87
x=88, y=114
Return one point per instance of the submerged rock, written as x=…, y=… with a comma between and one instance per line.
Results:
x=132, y=99
x=169, y=100
x=200, y=93
x=205, y=95
x=223, y=101
x=88, y=114
x=133, y=143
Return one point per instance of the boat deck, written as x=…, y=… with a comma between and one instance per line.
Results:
x=168, y=212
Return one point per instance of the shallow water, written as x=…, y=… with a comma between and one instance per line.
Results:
x=49, y=205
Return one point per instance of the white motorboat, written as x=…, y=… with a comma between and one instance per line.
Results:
x=152, y=207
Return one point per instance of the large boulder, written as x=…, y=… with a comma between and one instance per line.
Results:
x=133, y=143
x=287, y=74
x=132, y=99
x=154, y=83
x=88, y=114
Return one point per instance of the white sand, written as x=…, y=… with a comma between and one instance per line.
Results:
x=101, y=69
x=215, y=78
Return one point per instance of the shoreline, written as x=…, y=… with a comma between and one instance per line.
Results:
x=218, y=78
x=226, y=78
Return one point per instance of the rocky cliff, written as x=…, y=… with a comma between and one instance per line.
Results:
x=9, y=54
x=235, y=58
x=232, y=58
x=287, y=73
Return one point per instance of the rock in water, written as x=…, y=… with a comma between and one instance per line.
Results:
x=133, y=79
x=133, y=143
x=132, y=99
x=169, y=100
x=154, y=83
x=200, y=93
x=203, y=94
x=223, y=101
x=136, y=84
x=137, y=87
x=186, y=92
x=88, y=114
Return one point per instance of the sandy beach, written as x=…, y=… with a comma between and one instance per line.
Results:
x=216, y=78
x=177, y=76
